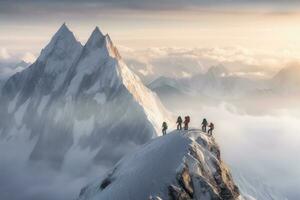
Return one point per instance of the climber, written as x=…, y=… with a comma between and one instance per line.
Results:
x=179, y=123
x=164, y=128
x=204, y=125
x=186, y=122
x=211, y=128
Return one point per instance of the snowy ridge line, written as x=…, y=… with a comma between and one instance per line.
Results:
x=147, y=99
x=181, y=165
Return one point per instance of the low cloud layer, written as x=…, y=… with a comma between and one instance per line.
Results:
x=21, y=179
x=10, y=68
x=261, y=147
x=264, y=147
x=184, y=62
x=4, y=55
x=179, y=62
x=13, y=63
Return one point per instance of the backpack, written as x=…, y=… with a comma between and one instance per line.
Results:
x=165, y=125
x=187, y=119
x=179, y=120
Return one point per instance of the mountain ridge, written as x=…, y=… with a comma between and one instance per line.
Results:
x=181, y=165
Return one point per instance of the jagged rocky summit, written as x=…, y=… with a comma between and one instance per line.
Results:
x=179, y=166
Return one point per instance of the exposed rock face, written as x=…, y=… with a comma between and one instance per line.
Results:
x=177, y=193
x=182, y=165
x=190, y=182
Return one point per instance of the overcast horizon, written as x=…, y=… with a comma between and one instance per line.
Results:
x=270, y=26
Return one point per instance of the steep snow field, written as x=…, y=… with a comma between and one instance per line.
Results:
x=180, y=165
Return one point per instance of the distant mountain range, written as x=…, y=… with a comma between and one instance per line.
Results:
x=218, y=83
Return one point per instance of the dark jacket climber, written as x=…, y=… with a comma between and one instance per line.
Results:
x=211, y=128
x=164, y=128
x=186, y=122
x=179, y=123
x=204, y=125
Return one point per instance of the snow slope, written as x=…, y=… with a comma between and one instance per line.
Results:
x=71, y=87
x=180, y=165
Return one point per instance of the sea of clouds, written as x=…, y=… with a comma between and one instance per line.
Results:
x=178, y=62
x=265, y=146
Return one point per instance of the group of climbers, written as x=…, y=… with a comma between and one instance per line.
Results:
x=186, y=122
x=211, y=126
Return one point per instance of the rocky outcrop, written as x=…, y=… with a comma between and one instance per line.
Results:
x=195, y=186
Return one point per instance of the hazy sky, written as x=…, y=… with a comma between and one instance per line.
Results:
x=268, y=25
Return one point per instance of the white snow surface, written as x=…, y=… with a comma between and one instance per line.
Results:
x=59, y=55
x=153, y=167
x=149, y=101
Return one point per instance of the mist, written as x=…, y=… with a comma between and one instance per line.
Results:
x=258, y=137
x=260, y=146
x=21, y=179
x=263, y=147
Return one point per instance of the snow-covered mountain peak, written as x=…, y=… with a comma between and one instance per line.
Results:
x=100, y=57
x=63, y=38
x=95, y=40
x=102, y=44
x=84, y=97
x=64, y=30
x=60, y=51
